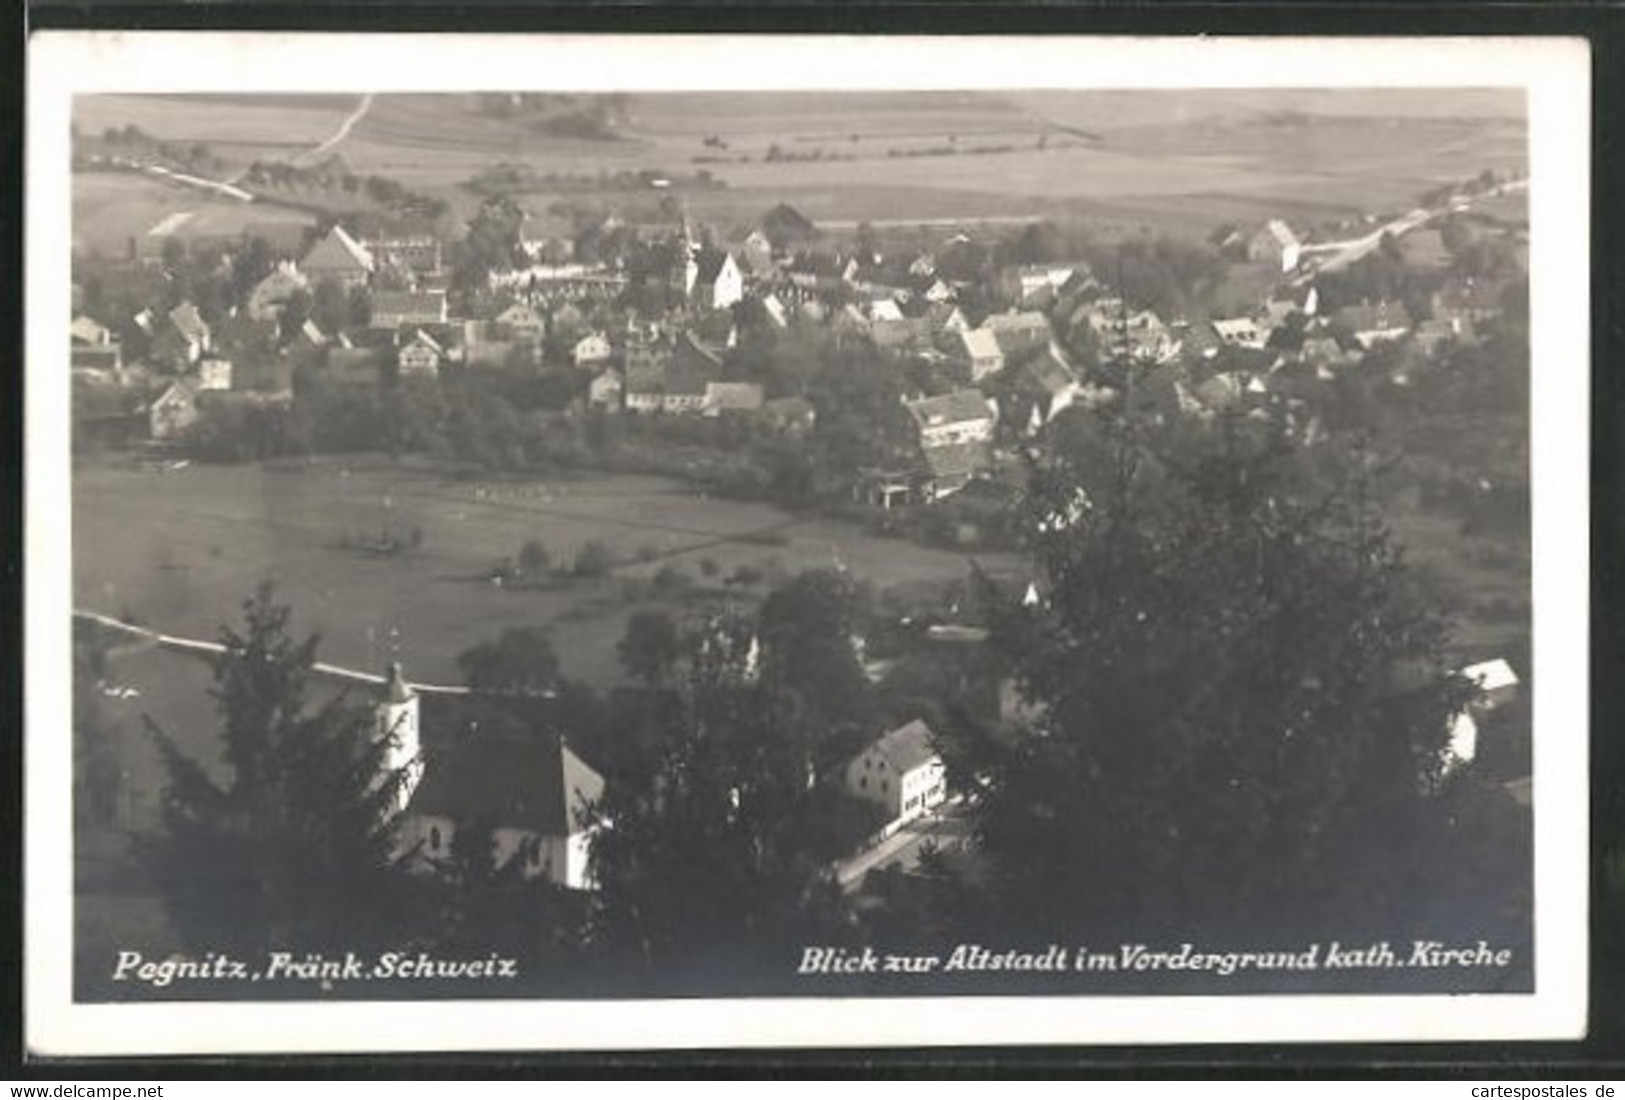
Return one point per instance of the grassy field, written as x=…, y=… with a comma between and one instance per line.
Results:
x=192, y=543
x=109, y=208
x=270, y=120
x=1171, y=161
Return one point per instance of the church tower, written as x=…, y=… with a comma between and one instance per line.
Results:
x=396, y=717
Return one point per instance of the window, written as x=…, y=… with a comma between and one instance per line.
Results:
x=884, y=785
x=434, y=838
x=864, y=783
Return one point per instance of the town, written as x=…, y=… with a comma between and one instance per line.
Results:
x=620, y=444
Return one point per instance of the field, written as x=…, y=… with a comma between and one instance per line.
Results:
x=1174, y=162
x=192, y=543
x=109, y=208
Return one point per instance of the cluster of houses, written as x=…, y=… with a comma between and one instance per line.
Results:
x=995, y=376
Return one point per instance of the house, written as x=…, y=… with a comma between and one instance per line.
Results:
x=901, y=772
x=1275, y=244
x=1050, y=382
x=1018, y=333
x=731, y=397
x=949, y=467
x=711, y=279
x=1424, y=250
x=884, y=488
x=1028, y=282
x=784, y=227
x=339, y=257
x=961, y=417
x=793, y=416
x=172, y=412
x=101, y=359
x=421, y=356
x=604, y=392
x=1430, y=334
x=547, y=239
x=591, y=351
x=86, y=332
x=418, y=258
x=531, y=794
x=980, y=348
x=392, y=309
x=214, y=374
x=1373, y=324
x=1495, y=680
x=188, y=324
x=1239, y=332
x=271, y=294
x=523, y=321
x=775, y=311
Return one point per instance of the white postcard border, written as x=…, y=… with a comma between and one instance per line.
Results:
x=1554, y=71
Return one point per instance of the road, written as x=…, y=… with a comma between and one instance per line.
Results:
x=1350, y=251
x=341, y=133
x=942, y=826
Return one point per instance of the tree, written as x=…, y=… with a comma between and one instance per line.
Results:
x=291, y=846
x=1241, y=691
x=806, y=631
x=650, y=647
x=714, y=862
x=520, y=662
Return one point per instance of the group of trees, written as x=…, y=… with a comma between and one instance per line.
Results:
x=1238, y=702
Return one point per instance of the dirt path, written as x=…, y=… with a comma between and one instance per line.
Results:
x=340, y=134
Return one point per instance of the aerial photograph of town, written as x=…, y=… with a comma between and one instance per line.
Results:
x=800, y=543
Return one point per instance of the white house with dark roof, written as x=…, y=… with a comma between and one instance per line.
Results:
x=530, y=793
x=901, y=771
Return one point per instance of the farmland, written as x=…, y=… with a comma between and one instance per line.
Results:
x=1116, y=157
x=194, y=542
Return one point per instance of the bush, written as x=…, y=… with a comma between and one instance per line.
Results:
x=594, y=560
x=709, y=567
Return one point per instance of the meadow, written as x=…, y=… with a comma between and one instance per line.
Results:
x=192, y=543
x=109, y=208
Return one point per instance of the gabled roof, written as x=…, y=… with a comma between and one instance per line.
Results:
x=419, y=337
x=538, y=785
x=89, y=331
x=188, y=322
x=406, y=302
x=710, y=263
x=906, y=747
x=980, y=343
x=1282, y=232
x=742, y=396
x=950, y=408
x=1050, y=371
x=338, y=251
x=956, y=460
x=1027, y=322
x=1491, y=675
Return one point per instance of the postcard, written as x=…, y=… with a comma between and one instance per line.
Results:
x=566, y=542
